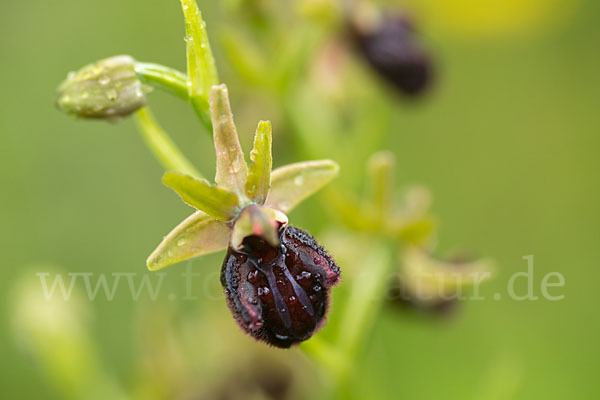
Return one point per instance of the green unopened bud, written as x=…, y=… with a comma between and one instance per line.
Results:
x=107, y=89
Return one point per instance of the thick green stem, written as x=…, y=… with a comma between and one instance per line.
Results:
x=328, y=357
x=201, y=106
x=365, y=300
x=161, y=145
x=361, y=311
x=164, y=78
x=174, y=82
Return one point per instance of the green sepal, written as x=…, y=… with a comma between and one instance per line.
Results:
x=412, y=223
x=259, y=174
x=349, y=209
x=197, y=235
x=381, y=183
x=232, y=170
x=293, y=183
x=198, y=193
x=418, y=231
x=243, y=56
x=429, y=274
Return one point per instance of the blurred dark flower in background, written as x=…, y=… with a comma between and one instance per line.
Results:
x=390, y=45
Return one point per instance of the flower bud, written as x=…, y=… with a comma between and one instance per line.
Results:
x=390, y=46
x=107, y=89
x=280, y=294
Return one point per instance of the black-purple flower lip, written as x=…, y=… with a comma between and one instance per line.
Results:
x=280, y=294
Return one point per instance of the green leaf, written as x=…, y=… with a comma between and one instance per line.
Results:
x=197, y=235
x=295, y=182
x=202, y=71
x=259, y=175
x=232, y=170
x=199, y=194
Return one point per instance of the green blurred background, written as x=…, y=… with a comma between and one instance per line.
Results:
x=508, y=143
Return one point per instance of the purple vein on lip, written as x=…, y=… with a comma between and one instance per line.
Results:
x=280, y=305
x=300, y=293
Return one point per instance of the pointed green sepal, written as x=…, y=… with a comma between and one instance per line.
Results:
x=259, y=174
x=198, y=193
x=232, y=170
x=418, y=231
x=243, y=56
x=261, y=221
x=381, y=182
x=202, y=71
x=197, y=235
x=432, y=276
x=295, y=182
x=412, y=223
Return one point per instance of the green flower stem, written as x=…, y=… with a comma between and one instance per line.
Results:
x=174, y=82
x=362, y=310
x=164, y=78
x=328, y=357
x=201, y=106
x=366, y=299
x=161, y=145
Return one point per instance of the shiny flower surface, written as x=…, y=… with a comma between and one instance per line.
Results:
x=279, y=294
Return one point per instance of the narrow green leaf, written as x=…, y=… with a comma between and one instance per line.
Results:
x=259, y=175
x=295, y=182
x=199, y=194
x=197, y=235
x=202, y=71
x=232, y=170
